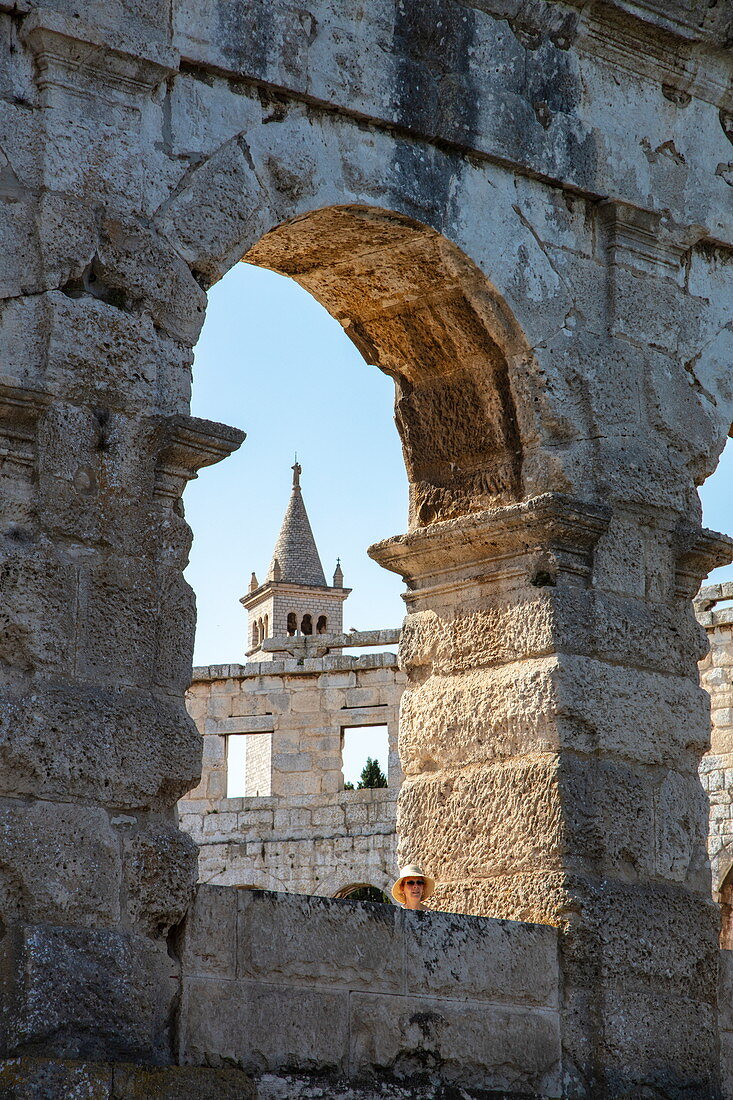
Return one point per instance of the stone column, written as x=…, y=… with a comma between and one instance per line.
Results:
x=550, y=736
x=97, y=622
x=716, y=769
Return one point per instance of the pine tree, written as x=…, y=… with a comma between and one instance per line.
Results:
x=371, y=775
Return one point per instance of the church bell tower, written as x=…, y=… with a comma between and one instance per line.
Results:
x=295, y=598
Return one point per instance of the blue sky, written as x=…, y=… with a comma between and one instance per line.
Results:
x=273, y=362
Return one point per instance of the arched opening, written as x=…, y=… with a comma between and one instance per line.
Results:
x=362, y=891
x=415, y=306
x=267, y=626
x=412, y=304
x=726, y=912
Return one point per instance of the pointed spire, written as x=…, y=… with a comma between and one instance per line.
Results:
x=254, y=584
x=338, y=577
x=296, y=555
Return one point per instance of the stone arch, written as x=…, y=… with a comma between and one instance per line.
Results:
x=362, y=891
x=469, y=397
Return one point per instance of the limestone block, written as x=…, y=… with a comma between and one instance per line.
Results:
x=38, y=597
x=142, y=266
x=569, y=619
x=219, y=826
x=126, y=748
x=210, y=932
x=85, y=994
x=725, y=990
x=480, y=960
x=214, y=751
x=297, y=762
x=648, y=1037
x=611, y=938
x=309, y=942
x=306, y=702
x=58, y=863
x=603, y=812
x=264, y=1028
x=202, y=116
x=460, y=1043
x=193, y=220
x=49, y=240
x=160, y=876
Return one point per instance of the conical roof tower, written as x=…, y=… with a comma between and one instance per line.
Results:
x=295, y=598
x=296, y=553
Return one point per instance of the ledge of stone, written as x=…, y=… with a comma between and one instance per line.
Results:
x=59, y=1080
x=293, y=666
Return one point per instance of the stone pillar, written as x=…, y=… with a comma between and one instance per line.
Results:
x=716, y=769
x=97, y=622
x=550, y=736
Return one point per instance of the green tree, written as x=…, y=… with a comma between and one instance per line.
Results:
x=371, y=775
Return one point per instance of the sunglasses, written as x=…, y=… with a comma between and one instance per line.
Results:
x=414, y=882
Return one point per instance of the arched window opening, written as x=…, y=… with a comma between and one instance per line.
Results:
x=254, y=633
x=362, y=891
x=267, y=626
x=726, y=912
x=322, y=625
x=260, y=631
x=306, y=625
x=292, y=624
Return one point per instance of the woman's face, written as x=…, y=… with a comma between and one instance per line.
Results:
x=414, y=889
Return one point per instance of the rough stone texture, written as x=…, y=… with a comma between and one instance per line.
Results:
x=303, y=833
x=36, y=1079
x=716, y=768
x=521, y=212
x=280, y=985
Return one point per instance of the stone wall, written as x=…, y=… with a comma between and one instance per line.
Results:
x=310, y=835
x=305, y=992
x=521, y=213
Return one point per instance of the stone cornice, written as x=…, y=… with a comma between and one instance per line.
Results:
x=185, y=444
x=698, y=552
x=65, y=48
x=549, y=540
x=271, y=588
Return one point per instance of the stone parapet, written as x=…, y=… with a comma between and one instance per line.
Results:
x=284, y=986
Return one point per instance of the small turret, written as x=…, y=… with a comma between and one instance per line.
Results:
x=254, y=584
x=338, y=576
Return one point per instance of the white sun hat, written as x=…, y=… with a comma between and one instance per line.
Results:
x=412, y=871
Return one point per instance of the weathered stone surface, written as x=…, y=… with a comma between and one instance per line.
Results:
x=83, y=994
x=480, y=960
x=494, y=1047
x=58, y=863
x=38, y=1079
x=310, y=941
x=160, y=873
x=521, y=213
x=265, y=1028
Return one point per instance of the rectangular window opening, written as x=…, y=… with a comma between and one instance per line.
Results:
x=249, y=765
x=358, y=744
